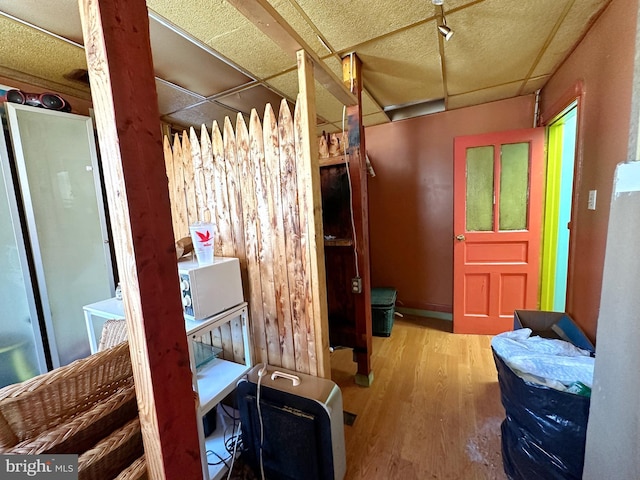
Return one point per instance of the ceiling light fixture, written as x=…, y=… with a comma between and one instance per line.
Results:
x=437, y=2
x=444, y=30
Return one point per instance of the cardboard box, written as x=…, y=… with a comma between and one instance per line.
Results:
x=552, y=325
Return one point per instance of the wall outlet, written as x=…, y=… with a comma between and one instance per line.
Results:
x=591, y=204
x=356, y=285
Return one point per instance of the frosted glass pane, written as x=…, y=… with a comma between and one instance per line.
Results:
x=514, y=186
x=18, y=359
x=480, y=189
x=59, y=163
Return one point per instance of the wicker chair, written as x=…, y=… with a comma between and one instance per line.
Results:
x=87, y=407
x=114, y=332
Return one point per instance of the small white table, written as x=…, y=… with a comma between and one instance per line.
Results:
x=95, y=314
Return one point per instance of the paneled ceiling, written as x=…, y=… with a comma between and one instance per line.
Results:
x=211, y=61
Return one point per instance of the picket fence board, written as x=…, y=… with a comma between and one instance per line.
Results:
x=254, y=185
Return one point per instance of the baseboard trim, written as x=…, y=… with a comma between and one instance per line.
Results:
x=426, y=313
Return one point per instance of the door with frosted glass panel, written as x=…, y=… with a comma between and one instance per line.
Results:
x=498, y=181
x=56, y=162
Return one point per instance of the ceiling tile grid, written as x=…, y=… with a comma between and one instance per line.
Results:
x=172, y=98
x=574, y=26
x=51, y=60
x=403, y=67
x=220, y=26
x=348, y=23
x=204, y=113
x=485, y=95
x=208, y=49
x=492, y=45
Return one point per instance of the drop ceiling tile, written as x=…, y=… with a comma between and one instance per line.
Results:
x=484, y=96
x=171, y=98
x=223, y=28
x=374, y=119
x=404, y=67
x=50, y=61
x=255, y=97
x=535, y=84
x=351, y=23
x=575, y=24
x=205, y=114
x=180, y=61
x=492, y=45
x=287, y=83
x=369, y=105
x=61, y=17
x=290, y=11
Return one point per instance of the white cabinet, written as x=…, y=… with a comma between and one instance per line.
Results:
x=213, y=380
x=95, y=314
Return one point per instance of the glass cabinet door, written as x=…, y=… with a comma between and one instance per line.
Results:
x=56, y=163
x=21, y=348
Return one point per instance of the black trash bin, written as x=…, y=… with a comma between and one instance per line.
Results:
x=544, y=432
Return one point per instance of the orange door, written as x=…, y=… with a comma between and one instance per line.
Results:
x=498, y=180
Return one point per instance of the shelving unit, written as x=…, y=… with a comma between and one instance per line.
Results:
x=213, y=381
x=216, y=379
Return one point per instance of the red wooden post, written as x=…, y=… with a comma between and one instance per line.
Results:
x=116, y=35
x=352, y=77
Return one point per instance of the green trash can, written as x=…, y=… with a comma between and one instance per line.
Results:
x=383, y=305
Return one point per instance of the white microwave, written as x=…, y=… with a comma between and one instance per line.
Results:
x=209, y=289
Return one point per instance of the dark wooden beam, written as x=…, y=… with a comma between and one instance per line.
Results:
x=272, y=24
x=352, y=77
x=116, y=38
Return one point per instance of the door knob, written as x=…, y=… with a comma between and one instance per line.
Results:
x=460, y=238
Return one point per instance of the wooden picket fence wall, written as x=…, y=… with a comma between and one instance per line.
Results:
x=249, y=183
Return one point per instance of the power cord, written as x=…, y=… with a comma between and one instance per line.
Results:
x=261, y=373
x=353, y=223
x=235, y=448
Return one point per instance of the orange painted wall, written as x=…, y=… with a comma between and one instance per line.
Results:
x=605, y=68
x=411, y=197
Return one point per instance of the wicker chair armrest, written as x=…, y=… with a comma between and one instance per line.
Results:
x=43, y=402
x=7, y=437
x=85, y=430
x=136, y=471
x=113, y=454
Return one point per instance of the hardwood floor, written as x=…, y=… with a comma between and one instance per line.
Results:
x=433, y=410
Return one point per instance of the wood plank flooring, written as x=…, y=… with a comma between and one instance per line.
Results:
x=433, y=410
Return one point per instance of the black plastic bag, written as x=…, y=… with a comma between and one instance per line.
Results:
x=544, y=432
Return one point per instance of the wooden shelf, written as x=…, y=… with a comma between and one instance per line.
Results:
x=338, y=242
x=331, y=161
